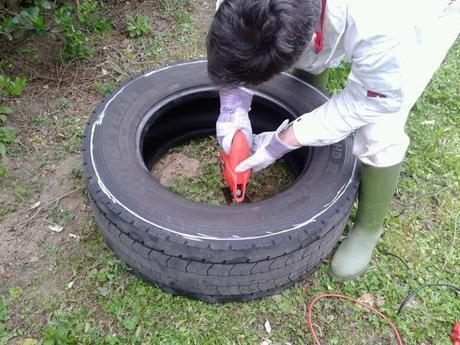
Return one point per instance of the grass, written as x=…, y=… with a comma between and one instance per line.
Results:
x=106, y=304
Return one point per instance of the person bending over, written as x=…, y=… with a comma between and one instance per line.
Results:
x=394, y=48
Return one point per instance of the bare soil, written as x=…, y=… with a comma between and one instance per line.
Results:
x=176, y=165
x=43, y=164
x=26, y=230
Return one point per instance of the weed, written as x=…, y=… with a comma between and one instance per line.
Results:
x=15, y=293
x=337, y=78
x=10, y=87
x=21, y=192
x=4, y=211
x=30, y=51
x=87, y=18
x=76, y=173
x=41, y=121
x=63, y=104
x=76, y=42
x=27, y=18
x=7, y=136
x=73, y=23
x=5, y=333
x=62, y=216
x=71, y=129
x=3, y=171
x=137, y=26
x=181, y=16
x=156, y=47
x=103, y=88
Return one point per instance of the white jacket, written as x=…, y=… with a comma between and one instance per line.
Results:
x=394, y=48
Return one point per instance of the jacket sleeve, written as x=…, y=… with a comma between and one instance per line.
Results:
x=373, y=91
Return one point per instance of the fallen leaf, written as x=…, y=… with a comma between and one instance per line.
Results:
x=34, y=206
x=56, y=228
x=371, y=299
x=74, y=236
x=268, y=328
x=30, y=341
x=330, y=318
x=442, y=143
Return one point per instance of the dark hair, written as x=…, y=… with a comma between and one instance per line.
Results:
x=250, y=41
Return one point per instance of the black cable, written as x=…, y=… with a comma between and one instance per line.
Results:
x=413, y=293
x=395, y=256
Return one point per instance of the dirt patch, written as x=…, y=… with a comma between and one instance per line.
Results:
x=25, y=231
x=43, y=188
x=176, y=165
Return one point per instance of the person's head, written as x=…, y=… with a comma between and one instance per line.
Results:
x=250, y=41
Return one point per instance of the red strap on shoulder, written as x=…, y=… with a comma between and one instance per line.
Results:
x=374, y=94
x=319, y=32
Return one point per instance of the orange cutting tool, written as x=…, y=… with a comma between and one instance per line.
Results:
x=239, y=151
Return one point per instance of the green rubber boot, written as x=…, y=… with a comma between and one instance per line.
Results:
x=355, y=252
x=317, y=80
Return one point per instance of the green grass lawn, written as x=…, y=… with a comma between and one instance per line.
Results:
x=86, y=296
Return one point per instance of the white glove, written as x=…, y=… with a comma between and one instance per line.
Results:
x=234, y=107
x=267, y=148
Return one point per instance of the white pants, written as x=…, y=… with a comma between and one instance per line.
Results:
x=373, y=145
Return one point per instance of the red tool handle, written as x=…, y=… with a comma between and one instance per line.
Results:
x=455, y=336
x=239, y=152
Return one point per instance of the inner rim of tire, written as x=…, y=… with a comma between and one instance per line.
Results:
x=192, y=114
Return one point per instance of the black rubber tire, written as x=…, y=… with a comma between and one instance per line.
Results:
x=212, y=253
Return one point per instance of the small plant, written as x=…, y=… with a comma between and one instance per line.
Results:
x=10, y=87
x=69, y=128
x=4, y=112
x=7, y=135
x=103, y=88
x=74, y=23
x=26, y=19
x=40, y=121
x=76, y=173
x=3, y=174
x=87, y=18
x=21, y=192
x=76, y=43
x=137, y=26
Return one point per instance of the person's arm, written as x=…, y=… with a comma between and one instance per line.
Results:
x=288, y=137
x=373, y=91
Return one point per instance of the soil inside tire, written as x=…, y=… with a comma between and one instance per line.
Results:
x=192, y=171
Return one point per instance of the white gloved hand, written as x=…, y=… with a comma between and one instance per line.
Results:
x=267, y=148
x=234, y=107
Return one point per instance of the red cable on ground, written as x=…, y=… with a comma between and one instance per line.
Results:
x=343, y=297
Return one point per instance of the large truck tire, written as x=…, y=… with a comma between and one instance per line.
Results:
x=212, y=253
